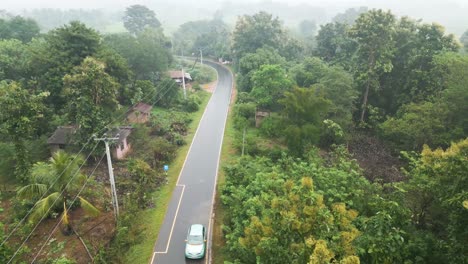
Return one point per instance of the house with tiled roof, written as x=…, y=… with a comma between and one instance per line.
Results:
x=62, y=137
x=140, y=113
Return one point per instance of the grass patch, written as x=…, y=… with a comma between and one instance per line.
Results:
x=227, y=153
x=150, y=220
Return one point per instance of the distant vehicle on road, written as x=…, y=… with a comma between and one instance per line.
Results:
x=195, y=244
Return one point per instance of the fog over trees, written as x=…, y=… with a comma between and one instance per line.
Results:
x=450, y=13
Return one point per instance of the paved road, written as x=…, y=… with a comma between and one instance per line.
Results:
x=192, y=198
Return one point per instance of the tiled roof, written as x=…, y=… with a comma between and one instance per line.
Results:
x=123, y=132
x=142, y=107
x=62, y=135
x=178, y=75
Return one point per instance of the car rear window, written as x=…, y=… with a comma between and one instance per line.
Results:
x=195, y=240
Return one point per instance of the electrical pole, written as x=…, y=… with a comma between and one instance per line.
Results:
x=243, y=141
x=201, y=57
x=183, y=83
x=115, y=202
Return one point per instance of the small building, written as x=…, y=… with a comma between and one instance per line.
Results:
x=62, y=137
x=120, y=147
x=177, y=76
x=139, y=113
x=259, y=116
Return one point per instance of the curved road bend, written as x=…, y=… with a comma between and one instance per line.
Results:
x=193, y=195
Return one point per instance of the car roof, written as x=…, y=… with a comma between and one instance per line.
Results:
x=196, y=229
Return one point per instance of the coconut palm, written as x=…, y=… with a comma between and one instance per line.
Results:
x=57, y=181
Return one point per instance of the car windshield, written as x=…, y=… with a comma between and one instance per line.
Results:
x=195, y=240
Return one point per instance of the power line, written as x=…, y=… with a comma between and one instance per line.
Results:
x=60, y=174
x=74, y=199
x=167, y=88
x=61, y=219
x=50, y=207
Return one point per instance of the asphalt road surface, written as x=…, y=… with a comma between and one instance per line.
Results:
x=192, y=199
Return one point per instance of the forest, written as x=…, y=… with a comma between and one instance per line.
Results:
x=352, y=142
x=347, y=141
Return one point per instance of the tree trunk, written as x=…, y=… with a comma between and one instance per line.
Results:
x=370, y=73
x=364, y=101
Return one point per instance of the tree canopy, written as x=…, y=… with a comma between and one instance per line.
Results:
x=137, y=18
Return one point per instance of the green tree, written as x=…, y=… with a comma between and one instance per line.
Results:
x=307, y=28
x=373, y=32
x=92, y=97
x=63, y=49
x=464, y=40
x=20, y=116
x=349, y=16
x=55, y=183
x=23, y=29
x=417, y=124
x=304, y=110
x=212, y=36
x=137, y=18
x=252, y=62
x=269, y=84
x=436, y=193
x=336, y=84
x=14, y=58
x=256, y=31
x=334, y=45
x=280, y=211
x=144, y=177
x=147, y=54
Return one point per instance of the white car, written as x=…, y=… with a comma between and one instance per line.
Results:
x=195, y=244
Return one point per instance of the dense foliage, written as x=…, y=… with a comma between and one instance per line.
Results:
x=388, y=87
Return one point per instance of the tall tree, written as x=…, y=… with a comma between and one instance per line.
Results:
x=14, y=57
x=373, y=32
x=92, y=97
x=20, y=115
x=334, y=44
x=304, y=111
x=251, y=62
x=63, y=49
x=147, y=54
x=269, y=84
x=256, y=31
x=138, y=17
x=23, y=29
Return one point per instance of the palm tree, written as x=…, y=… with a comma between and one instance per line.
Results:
x=57, y=182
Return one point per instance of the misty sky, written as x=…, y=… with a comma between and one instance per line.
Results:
x=450, y=13
x=116, y=4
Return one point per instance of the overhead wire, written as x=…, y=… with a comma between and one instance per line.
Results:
x=60, y=174
x=68, y=209
x=161, y=93
x=51, y=206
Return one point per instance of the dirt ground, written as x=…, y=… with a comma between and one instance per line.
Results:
x=97, y=232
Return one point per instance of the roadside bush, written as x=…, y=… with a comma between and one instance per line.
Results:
x=244, y=115
x=196, y=86
x=272, y=127
x=192, y=104
x=203, y=74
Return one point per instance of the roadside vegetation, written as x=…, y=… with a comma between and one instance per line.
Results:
x=74, y=77
x=346, y=143
x=351, y=145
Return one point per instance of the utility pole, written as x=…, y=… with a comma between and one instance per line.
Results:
x=243, y=141
x=115, y=202
x=201, y=56
x=183, y=83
